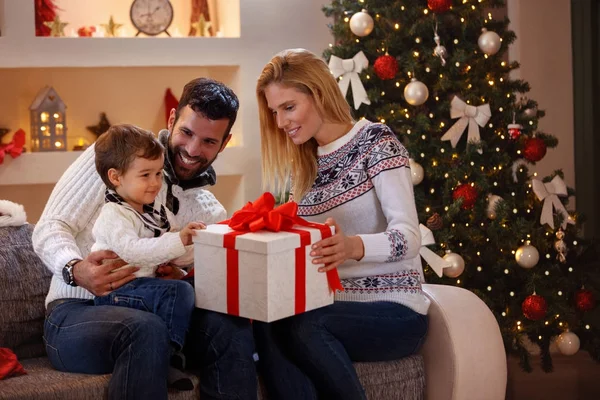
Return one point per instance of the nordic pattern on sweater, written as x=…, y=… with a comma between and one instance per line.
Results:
x=364, y=183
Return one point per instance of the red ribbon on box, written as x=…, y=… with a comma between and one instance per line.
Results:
x=262, y=214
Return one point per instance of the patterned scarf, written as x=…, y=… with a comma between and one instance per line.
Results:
x=205, y=177
x=153, y=219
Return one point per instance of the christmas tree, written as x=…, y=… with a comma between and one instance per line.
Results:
x=436, y=72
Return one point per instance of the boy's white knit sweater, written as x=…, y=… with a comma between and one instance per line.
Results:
x=64, y=231
x=364, y=183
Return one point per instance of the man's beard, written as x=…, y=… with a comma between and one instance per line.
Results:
x=185, y=172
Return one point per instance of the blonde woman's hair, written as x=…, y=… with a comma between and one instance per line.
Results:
x=283, y=162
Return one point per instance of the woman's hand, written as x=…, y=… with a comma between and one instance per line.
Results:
x=336, y=249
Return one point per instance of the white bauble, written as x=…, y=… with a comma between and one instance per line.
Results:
x=568, y=343
x=457, y=265
x=489, y=42
x=492, y=203
x=527, y=256
x=361, y=23
x=417, y=173
x=416, y=92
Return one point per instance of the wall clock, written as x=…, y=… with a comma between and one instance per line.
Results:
x=151, y=17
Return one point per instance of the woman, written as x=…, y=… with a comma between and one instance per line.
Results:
x=354, y=176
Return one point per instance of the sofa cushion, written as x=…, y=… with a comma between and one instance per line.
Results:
x=24, y=283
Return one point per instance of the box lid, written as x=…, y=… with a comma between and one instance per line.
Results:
x=263, y=242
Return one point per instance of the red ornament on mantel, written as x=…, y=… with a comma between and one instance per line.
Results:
x=534, y=149
x=466, y=192
x=585, y=300
x=386, y=67
x=534, y=307
x=439, y=6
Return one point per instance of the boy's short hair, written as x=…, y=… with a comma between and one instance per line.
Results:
x=120, y=145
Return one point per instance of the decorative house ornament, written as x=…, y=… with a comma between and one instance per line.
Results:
x=48, y=121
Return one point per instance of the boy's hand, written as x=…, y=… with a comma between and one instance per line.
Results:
x=186, y=233
x=169, y=271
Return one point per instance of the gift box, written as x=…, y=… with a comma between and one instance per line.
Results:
x=258, y=265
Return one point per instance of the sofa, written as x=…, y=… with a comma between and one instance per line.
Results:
x=462, y=358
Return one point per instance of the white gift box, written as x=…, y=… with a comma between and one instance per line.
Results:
x=268, y=283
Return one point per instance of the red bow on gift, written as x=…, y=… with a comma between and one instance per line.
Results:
x=14, y=147
x=261, y=214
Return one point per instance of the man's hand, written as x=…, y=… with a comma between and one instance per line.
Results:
x=169, y=271
x=98, y=278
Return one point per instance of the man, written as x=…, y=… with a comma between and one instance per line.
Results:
x=134, y=345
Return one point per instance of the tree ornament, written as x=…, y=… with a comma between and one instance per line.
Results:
x=439, y=51
x=457, y=264
x=470, y=116
x=548, y=193
x=416, y=92
x=435, y=222
x=57, y=27
x=534, y=149
x=514, y=130
x=386, y=67
x=489, y=42
x=492, y=204
x=568, y=343
x=349, y=69
x=561, y=247
x=530, y=112
x=585, y=299
x=416, y=172
x=439, y=6
x=534, y=307
x=361, y=23
x=468, y=193
x=527, y=256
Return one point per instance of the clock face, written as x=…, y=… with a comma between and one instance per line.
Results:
x=151, y=16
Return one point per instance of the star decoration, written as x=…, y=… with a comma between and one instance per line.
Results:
x=101, y=127
x=57, y=27
x=111, y=28
x=201, y=27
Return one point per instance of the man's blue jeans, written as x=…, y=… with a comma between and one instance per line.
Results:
x=171, y=300
x=310, y=355
x=131, y=344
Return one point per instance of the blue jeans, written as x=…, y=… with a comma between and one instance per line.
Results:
x=310, y=355
x=171, y=300
x=131, y=344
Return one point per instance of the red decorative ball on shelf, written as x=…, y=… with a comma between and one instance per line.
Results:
x=439, y=6
x=386, y=67
x=534, y=307
x=534, y=149
x=584, y=300
x=466, y=192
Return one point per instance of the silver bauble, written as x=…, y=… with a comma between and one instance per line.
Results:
x=527, y=256
x=417, y=173
x=489, y=42
x=416, y=92
x=568, y=343
x=361, y=23
x=530, y=112
x=491, y=207
x=457, y=265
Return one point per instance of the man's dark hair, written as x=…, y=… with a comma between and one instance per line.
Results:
x=210, y=98
x=120, y=145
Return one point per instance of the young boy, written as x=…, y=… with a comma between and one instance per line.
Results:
x=137, y=228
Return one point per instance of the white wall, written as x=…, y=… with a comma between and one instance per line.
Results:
x=543, y=48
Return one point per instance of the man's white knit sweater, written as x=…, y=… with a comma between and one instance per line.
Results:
x=64, y=232
x=364, y=184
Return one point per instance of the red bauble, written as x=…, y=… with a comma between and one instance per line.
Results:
x=584, y=300
x=534, y=307
x=386, y=67
x=439, y=6
x=534, y=149
x=466, y=192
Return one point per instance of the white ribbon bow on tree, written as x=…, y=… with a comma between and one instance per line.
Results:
x=548, y=193
x=436, y=262
x=472, y=116
x=349, y=70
